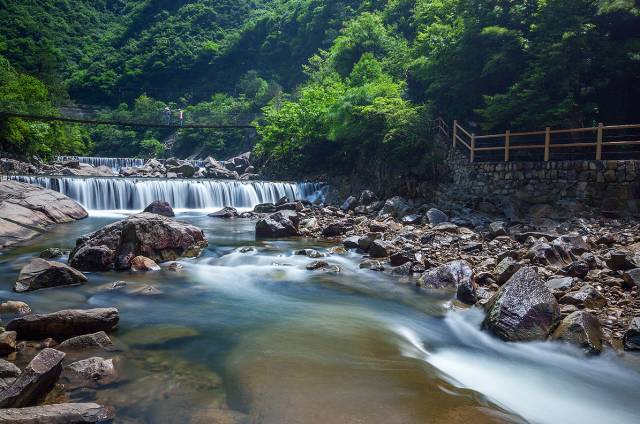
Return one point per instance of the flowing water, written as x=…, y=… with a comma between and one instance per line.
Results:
x=245, y=333
x=116, y=163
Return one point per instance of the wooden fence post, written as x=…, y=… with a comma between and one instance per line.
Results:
x=507, y=141
x=599, y=142
x=547, y=143
x=472, y=154
x=455, y=132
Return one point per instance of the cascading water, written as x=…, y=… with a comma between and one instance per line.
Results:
x=136, y=194
x=117, y=163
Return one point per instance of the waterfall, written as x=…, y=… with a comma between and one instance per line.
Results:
x=135, y=194
x=117, y=163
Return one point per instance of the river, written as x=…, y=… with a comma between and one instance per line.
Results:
x=245, y=333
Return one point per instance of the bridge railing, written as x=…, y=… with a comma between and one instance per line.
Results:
x=549, y=144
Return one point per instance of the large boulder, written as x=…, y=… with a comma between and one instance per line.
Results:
x=64, y=324
x=59, y=413
x=523, y=309
x=154, y=236
x=215, y=169
x=40, y=273
x=35, y=381
x=99, y=340
x=27, y=210
x=455, y=275
x=185, y=168
x=90, y=372
x=581, y=329
x=226, y=212
x=436, y=216
x=396, y=206
x=160, y=207
x=276, y=225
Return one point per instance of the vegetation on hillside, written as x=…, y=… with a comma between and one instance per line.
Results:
x=341, y=80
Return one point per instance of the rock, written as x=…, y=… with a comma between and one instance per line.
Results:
x=351, y=242
x=27, y=210
x=91, y=372
x=276, y=225
x=498, y=228
x=157, y=237
x=587, y=297
x=147, y=290
x=160, y=207
x=562, y=283
x=335, y=229
x=7, y=342
x=8, y=370
x=93, y=258
x=35, y=381
x=283, y=200
x=542, y=253
x=401, y=258
x=372, y=265
x=523, y=309
x=632, y=335
x=215, y=169
x=226, y=212
x=142, y=263
x=569, y=247
x=378, y=227
x=581, y=329
x=380, y=249
x=578, y=269
x=14, y=307
x=99, y=340
x=51, y=253
x=367, y=197
x=337, y=250
x=412, y=219
x=396, y=207
x=404, y=269
x=311, y=253
x=349, y=204
x=621, y=260
x=175, y=267
x=186, y=169
x=315, y=265
x=456, y=275
x=447, y=227
x=505, y=270
x=64, y=324
x=60, y=413
x=436, y=216
x=158, y=335
x=40, y=273
x=631, y=278
x=265, y=208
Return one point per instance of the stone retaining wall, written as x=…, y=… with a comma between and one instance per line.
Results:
x=610, y=186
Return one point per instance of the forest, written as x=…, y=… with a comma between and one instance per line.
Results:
x=342, y=80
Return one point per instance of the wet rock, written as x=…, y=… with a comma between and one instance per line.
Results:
x=632, y=278
x=160, y=207
x=35, y=381
x=291, y=206
x=587, y=297
x=147, y=290
x=93, y=258
x=265, y=208
x=455, y=274
x=380, y=249
x=226, y=212
x=581, y=329
x=337, y=250
x=91, y=372
x=51, y=253
x=372, y=265
x=351, y=242
x=632, y=335
x=315, y=265
x=396, y=206
x=350, y=203
x=60, y=413
x=498, y=228
x=159, y=335
x=578, y=269
x=64, y=324
x=311, y=253
x=40, y=273
x=523, y=309
x=7, y=342
x=364, y=242
x=404, y=269
x=276, y=225
x=154, y=236
x=436, y=216
x=185, y=168
x=505, y=270
x=142, y=263
x=175, y=267
x=99, y=340
x=14, y=307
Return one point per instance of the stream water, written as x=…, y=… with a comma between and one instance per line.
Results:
x=245, y=333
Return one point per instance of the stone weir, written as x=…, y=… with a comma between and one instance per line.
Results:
x=112, y=193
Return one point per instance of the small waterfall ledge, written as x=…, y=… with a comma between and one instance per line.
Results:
x=118, y=163
x=134, y=194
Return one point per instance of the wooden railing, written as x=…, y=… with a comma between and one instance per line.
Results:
x=579, y=139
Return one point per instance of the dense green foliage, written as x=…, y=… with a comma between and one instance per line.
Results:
x=339, y=81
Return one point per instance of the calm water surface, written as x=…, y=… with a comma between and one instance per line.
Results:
x=246, y=334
